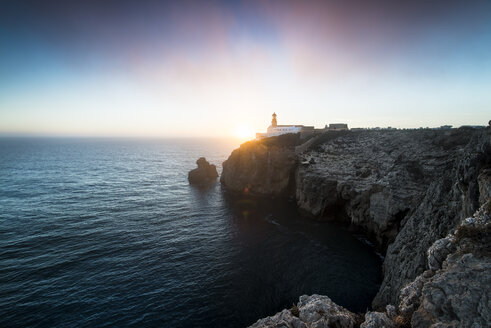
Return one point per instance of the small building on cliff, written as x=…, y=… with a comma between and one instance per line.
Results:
x=337, y=127
x=275, y=130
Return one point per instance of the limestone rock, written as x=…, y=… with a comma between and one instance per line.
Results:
x=484, y=181
x=459, y=295
x=438, y=252
x=315, y=311
x=448, y=199
x=265, y=167
x=283, y=319
x=411, y=293
x=391, y=311
x=205, y=173
x=376, y=320
x=410, y=192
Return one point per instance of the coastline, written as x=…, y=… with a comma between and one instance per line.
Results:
x=406, y=190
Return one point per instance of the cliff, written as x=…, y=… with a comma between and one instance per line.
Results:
x=405, y=189
x=265, y=167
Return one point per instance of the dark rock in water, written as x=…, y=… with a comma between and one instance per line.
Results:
x=205, y=173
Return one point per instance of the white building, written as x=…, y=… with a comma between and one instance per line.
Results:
x=275, y=130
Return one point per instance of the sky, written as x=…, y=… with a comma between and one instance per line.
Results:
x=221, y=68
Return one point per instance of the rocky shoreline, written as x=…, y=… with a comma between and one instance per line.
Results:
x=422, y=195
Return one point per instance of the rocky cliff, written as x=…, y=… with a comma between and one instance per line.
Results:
x=265, y=167
x=406, y=190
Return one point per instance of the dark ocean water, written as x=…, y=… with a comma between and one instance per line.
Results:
x=108, y=233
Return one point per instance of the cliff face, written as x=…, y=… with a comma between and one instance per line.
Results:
x=262, y=167
x=377, y=178
x=453, y=292
x=454, y=196
x=406, y=189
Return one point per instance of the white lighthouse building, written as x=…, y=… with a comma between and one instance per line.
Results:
x=275, y=130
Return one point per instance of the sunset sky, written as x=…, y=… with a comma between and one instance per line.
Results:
x=209, y=68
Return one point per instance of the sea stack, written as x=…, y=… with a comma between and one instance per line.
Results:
x=205, y=173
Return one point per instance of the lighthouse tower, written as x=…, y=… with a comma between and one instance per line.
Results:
x=275, y=130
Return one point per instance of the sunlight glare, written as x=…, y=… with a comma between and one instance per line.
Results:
x=244, y=132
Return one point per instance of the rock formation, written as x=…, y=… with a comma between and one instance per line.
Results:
x=205, y=173
x=455, y=293
x=311, y=311
x=264, y=167
x=407, y=190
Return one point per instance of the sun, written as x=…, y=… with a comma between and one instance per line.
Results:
x=244, y=132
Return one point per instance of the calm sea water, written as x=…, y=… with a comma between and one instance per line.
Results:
x=108, y=233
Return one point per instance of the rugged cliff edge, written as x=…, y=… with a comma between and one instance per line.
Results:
x=265, y=168
x=408, y=190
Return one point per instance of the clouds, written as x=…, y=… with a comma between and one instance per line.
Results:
x=314, y=37
x=240, y=59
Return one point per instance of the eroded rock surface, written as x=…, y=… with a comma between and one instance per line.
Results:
x=457, y=293
x=264, y=167
x=315, y=311
x=377, y=320
x=205, y=173
x=423, y=195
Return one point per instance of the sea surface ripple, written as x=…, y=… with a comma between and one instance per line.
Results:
x=108, y=233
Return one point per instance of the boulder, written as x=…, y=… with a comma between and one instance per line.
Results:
x=205, y=173
x=315, y=311
x=376, y=320
x=457, y=296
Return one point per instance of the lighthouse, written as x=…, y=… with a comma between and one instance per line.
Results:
x=275, y=130
x=274, y=123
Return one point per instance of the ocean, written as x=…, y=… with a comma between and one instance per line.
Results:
x=109, y=233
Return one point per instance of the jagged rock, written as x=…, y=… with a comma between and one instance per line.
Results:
x=437, y=252
x=205, y=173
x=321, y=308
x=473, y=235
x=447, y=200
x=376, y=178
x=283, y=319
x=391, y=311
x=410, y=191
x=376, y=320
x=458, y=293
x=411, y=293
x=264, y=167
x=315, y=311
x=484, y=181
x=458, y=296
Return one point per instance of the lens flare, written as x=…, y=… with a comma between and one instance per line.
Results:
x=244, y=132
